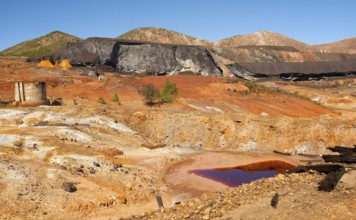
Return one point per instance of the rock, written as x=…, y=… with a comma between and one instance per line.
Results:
x=79, y=170
x=161, y=59
x=145, y=58
x=69, y=187
x=207, y=210
x=142, y=58
x=93, y=51
x=348, y=180
x=96, y=164
x=281, y=176
x=274, y=200
x=206, y=217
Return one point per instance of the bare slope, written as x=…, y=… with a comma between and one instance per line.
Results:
x=40, y=46
x=263, y=38
x=343, y=46
x=160, y=35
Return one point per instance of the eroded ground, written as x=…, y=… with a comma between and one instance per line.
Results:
x=104, y=150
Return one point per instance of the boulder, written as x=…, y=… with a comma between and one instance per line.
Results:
x=144, y=58
x=69, y=187
x=164, y=59
x=93, y=51
x=196, y=60
x=348, y=180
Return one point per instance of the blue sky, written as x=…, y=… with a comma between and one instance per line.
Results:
x=310, y=21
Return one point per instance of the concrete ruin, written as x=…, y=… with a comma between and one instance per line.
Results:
x=30, y=94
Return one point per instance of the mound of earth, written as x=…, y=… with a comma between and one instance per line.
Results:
x=343, y=46
x=263, y=38
x=163, y=36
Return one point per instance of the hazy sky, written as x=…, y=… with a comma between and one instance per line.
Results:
x=310, y=21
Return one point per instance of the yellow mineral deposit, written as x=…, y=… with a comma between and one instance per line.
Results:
x=64, y=64
x=45, y=64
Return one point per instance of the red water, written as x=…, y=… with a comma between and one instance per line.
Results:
x=235, y=176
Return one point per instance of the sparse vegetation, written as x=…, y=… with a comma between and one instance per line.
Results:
x=150, y=94
x=254, y=88
x=168, y=92
x=53, y=85
x=101, y=100
x=250, y=85
x=232, y=80
x=160, y=35
x=115, y=98
x=40, y=46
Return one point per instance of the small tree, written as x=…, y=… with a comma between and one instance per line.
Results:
x=149, y=93
x=101, y=100
x=168, y=92
x=115, y=98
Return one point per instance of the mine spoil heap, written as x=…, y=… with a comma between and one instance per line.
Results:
x=139, y=57
x=293, y=70
x=247, y=62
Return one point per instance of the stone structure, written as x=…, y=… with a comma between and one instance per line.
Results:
x=31, y=93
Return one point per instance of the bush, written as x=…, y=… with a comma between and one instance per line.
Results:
x=101, y=100
x=150, y=94
x=115, y=98
x=168, y=92
x=250, y=85
x=53, y=85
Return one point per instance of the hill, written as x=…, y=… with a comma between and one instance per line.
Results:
x=160, y=35
x=263, y=38
x=343, y=46
x=40, y=46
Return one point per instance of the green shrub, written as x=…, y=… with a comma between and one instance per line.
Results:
x=250, y=85
x=53, y=85
x=149, y=93
x=115, y=98
x=101, y=100
x=168, y=92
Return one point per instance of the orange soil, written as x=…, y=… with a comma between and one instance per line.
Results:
x=209, y=91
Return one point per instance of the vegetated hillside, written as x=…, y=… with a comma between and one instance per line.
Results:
x=263, y=38
x=160, y=35
x=40, y=46
x=343, y=46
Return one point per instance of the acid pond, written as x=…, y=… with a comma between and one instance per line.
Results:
x=235, y=176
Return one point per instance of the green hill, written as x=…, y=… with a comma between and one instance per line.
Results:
x=40, y=46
